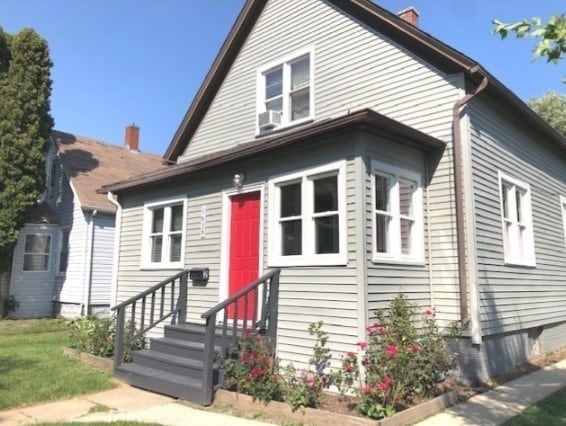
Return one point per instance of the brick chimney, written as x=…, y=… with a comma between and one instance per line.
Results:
x=132, y=141
x=410, y=14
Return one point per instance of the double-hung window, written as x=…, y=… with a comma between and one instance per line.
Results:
x=37, y=252
x=307, y=217
x=285, y=91
x=397, y=214
x=164, y=230
x=516, y=221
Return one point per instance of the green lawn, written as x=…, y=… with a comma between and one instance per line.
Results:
x=33, y=368
x=549, y=412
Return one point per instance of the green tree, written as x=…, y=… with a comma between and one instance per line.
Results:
x=552, y=107
x=25, y=126
x=551, y=35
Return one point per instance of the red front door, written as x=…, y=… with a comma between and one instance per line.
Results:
x=244, y=252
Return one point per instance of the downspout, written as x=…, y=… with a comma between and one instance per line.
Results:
x=116, y=256
x=459, y=192
x=88, y=286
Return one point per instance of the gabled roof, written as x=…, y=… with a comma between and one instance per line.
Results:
x=412, y=38
x=366, y=120
x=42, y=215
x=90, y=164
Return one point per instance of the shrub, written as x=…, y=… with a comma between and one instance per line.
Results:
x=10, y=304
x=305, y=388
x=97, y=336
x=252, y=370
x=399, y=361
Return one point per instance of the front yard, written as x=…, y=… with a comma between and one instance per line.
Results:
x=33, y=368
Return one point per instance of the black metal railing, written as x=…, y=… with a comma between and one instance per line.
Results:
x=240, y=313
x=168, y=299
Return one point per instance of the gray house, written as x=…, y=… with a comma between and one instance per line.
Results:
x=364, y=158
x=63, y=261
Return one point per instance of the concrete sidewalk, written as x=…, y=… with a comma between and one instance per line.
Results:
x=128, y=403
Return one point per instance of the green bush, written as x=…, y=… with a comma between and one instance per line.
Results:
x=97, y=336
x=10, y=304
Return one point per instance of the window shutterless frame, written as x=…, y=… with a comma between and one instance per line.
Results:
x=307, y=217
x=397, y=207
x=37, y=253
x=164, y=234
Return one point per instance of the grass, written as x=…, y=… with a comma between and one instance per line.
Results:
x=33, y=368
x=550, y=411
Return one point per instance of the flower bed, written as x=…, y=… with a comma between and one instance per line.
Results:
x=98, y=361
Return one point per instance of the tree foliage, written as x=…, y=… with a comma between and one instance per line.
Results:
x=551, y=35
x=552, y=107
x=25, y=126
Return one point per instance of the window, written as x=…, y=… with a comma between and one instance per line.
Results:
x=307, y=217
x=516, y=221
x=64, y=253
x=164, y=230
x=397, y=214
x=53, y=179
x=37, y=250
x=286, y=88
x=563, y=206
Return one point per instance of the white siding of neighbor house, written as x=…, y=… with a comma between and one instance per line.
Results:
x=514, y=297
x=102, y=259
x=307, y=294
x=355, y=68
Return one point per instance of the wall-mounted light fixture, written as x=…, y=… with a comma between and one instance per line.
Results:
x=238, y=180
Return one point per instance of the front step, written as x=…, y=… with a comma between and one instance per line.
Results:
x=173, y=365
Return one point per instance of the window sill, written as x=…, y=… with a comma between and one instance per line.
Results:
x=338, y=260
x=284, y=127
x=162, y=267
x=519, y=263
x=397, y=261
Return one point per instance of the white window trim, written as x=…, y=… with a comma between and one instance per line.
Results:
x=396, y=256
x=49, y=255
x=260, y=89
x=308, y=257
x=147, y=222
x=512, y=258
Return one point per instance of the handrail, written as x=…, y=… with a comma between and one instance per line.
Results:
x=266, y=323
x=241, y=293
x=159, y=294
x=148, y=291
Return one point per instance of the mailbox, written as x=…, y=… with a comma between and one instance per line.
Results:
x=198, y=274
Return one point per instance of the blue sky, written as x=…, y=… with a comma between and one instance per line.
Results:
x=122, y=61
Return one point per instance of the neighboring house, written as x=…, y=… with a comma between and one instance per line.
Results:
x=63, y=261
x=369, y=160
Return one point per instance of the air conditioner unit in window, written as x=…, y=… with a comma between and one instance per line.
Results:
x=269, y=119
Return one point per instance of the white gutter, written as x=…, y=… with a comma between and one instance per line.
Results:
x=89, y=257
x=116, y=256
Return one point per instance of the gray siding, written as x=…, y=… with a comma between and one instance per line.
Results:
x=102, y=260
x=307, y=294
x=355, y=68
x=514, y=297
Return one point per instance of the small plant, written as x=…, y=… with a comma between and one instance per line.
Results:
x=97, y=336
x=252, y=370
x=10, y=305
x=399, y=361
x=305, y=388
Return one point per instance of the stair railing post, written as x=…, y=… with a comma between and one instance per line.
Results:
x=119, y=342
x=208, y=362
x=183, y=299
x=273, y=310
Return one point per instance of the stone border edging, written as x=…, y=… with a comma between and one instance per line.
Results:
x=97, y=361
x=316, y=417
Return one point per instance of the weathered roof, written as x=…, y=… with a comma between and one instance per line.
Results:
x=90, y=164
x=366, y=119
x=419, y=42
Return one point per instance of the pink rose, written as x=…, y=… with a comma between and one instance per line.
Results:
x=391, y=351
x=362, y=345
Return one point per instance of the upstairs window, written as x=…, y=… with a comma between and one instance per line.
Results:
x=308, y=217
x=516, y=221
x=398, y=216
x=285, y=94
x=164, y=235
x=37, y=251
